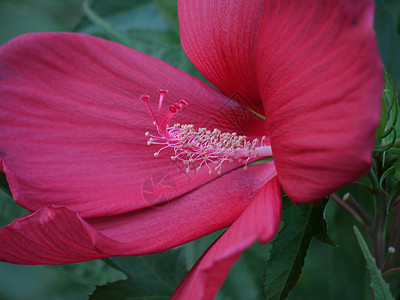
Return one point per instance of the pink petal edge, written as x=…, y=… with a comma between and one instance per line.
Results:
x=54, y=235
x=260, y=221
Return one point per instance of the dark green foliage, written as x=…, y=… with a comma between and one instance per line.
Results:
x=289, y=248
x=153, y=276
x=388, y=41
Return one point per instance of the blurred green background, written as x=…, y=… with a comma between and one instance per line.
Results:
x=329, y=273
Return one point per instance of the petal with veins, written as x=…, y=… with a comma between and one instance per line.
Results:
x=259, y=221
x=219, y=38
x=72, y=127
x=54, y=235
x=320, y=78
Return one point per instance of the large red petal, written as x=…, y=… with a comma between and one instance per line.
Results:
x=49, y=235
x=55, y=235
x=320, y=78
x=219, y=38
x=260, y=221
x=72, y=127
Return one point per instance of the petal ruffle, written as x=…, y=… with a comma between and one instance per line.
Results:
x=54, y=235
x=72, y=127
x=320, y=78
x=219, y=38
x=259, y=221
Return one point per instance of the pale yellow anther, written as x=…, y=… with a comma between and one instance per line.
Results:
x=201, y=146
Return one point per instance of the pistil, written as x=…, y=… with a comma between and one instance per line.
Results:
x=198, y=148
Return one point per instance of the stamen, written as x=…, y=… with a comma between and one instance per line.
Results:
x=201, y=147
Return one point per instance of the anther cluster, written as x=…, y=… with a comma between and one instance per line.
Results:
x=201, y=147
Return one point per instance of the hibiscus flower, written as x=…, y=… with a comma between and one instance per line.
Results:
x=80, y=151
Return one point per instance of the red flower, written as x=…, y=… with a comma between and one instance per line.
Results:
x=73, y=144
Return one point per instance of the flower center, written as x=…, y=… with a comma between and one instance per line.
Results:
x=198, y=148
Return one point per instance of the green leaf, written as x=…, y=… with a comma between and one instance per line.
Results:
x=89, y=273
x=290, y=246
x=263, y=160
x=318, y=223
x=139, y=19
x=389, y=125
x=388, y=41
x=170, y=13
x=335, y=273
x=153, y=276
x=9, y=210
x=245, y=279
x=379, y=286
x=384, y=116
x=397, y=169
x=4, y=184
x=144, y=25
x=112, y=33
x=22, y=16
x=194, y=250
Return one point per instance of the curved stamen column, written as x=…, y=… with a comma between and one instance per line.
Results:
x=201, y=147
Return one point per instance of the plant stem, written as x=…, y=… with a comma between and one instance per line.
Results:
x=395, y=202
x=390, y=272
x=395, y=225
x=363, y=185
x=350, y=210
x=392, y=257
x=357, y=207
x=377, y=235
x=396, y=246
